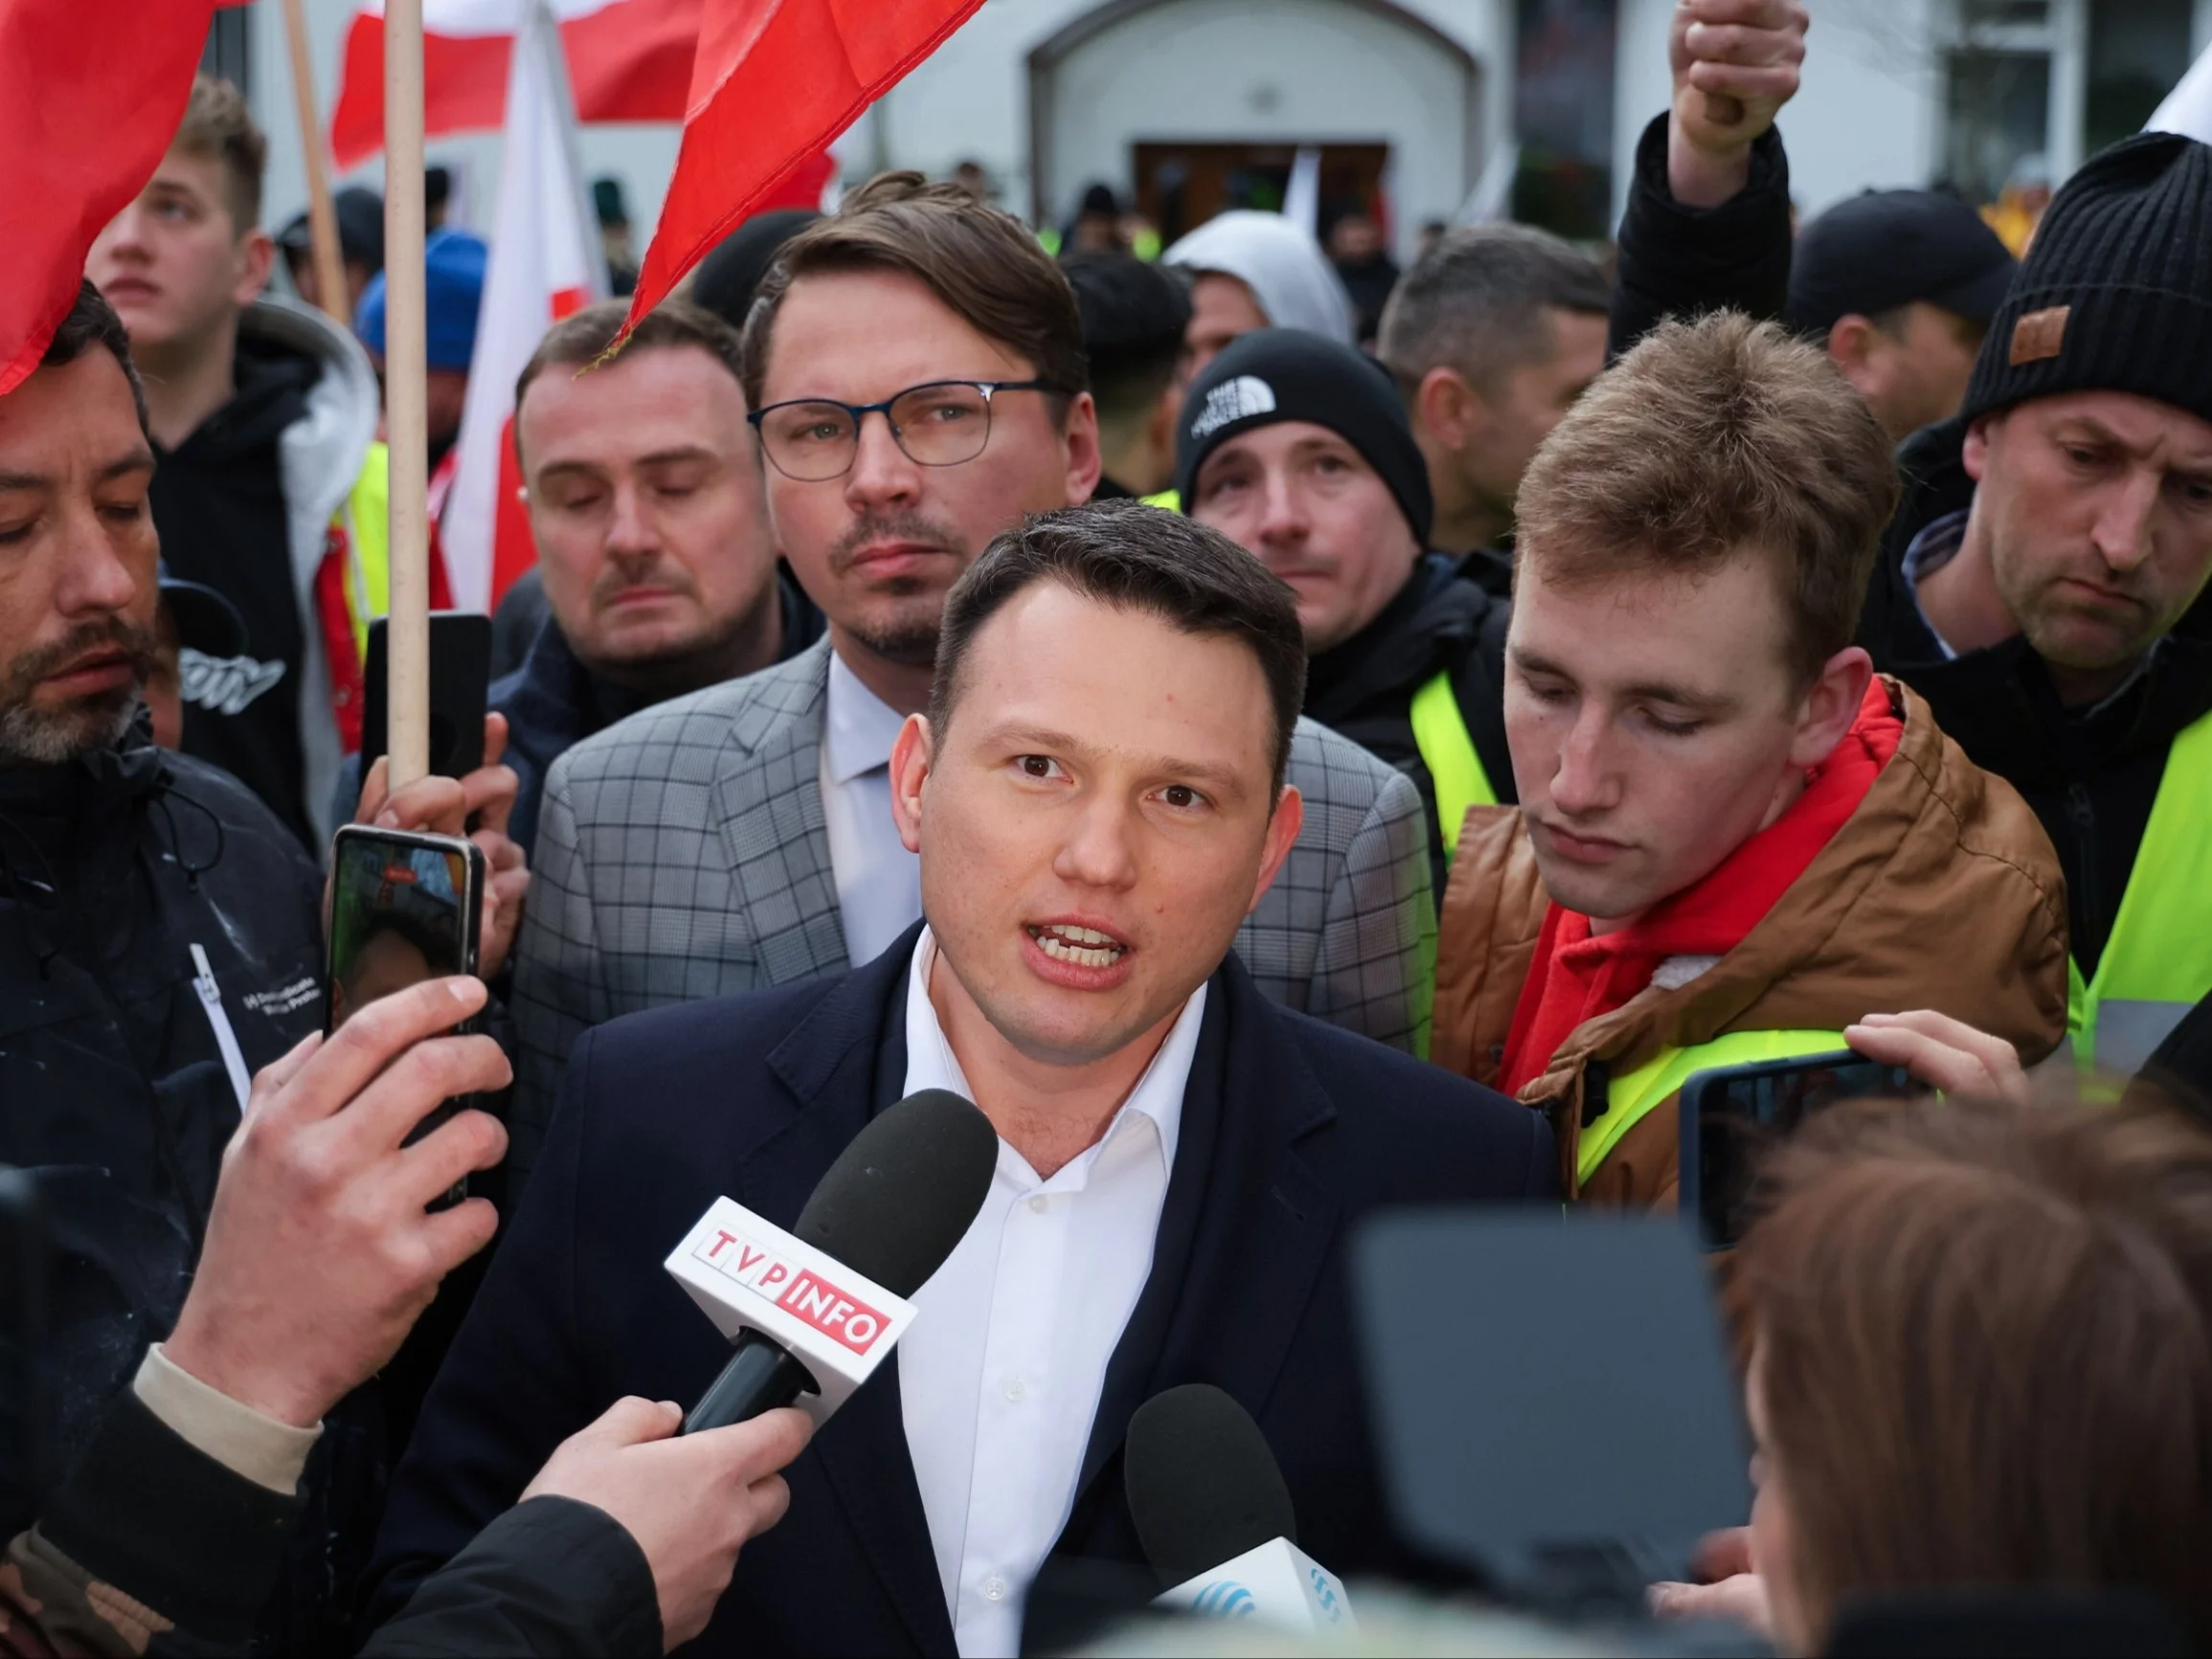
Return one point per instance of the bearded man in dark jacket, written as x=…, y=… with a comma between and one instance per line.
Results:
x=160, y=942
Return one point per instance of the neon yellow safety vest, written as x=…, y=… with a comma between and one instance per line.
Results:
x=369, y=536
x=2157, y=964
x=1633, y=1095
x=1448, y=750
x=1167, y=499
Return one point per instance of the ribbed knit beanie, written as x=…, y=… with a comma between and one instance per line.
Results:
x=2116, y=294
x=1276, y=374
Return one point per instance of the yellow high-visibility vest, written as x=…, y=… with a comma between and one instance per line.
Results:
x=2157, y=964
x=1632, y=1096
x=1448, y=750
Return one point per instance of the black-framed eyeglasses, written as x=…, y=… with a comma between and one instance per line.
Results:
x=939, y=423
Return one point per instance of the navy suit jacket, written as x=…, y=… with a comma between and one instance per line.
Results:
x=1292, y=1130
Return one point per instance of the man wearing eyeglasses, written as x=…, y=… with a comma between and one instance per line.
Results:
x=915, y=371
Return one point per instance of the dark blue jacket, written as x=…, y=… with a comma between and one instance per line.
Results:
x=1292, y=1130
x=553, y=702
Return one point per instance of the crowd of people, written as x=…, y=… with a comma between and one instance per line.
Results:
x=1284, y=751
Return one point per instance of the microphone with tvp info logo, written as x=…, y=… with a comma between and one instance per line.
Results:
x=814, y=1312
x=1216, y=1520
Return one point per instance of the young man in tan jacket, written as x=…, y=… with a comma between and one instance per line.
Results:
x=1734, y=840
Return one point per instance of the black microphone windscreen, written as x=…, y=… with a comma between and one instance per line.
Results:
x=1202, y=1486
x=899, y=1197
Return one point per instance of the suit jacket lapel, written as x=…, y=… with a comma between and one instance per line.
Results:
x=844, y=1063
x=1244, y=1234
x=768, y=799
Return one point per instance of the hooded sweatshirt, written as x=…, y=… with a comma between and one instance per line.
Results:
x=1285, y=269
x=1938, y=890
x=246, y=504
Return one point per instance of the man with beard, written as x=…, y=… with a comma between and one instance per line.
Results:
x=651, y=523
x=160, y=940
x=915, y=371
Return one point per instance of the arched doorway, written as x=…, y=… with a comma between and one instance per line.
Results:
x=1188, y=106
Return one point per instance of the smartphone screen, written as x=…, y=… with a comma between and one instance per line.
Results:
x=1738, y=1112
x=402, y=911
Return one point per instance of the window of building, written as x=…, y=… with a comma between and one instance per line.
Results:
x=2137, y=50
x=1562, y=115
x=227, y=55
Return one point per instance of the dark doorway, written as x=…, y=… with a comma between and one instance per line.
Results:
x=1181, y=185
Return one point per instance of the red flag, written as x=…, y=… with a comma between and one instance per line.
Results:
x=774, y=83
x=91, y=92
x=628, y=61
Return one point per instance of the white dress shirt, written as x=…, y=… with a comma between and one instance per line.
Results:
x=878, y=881
x=999, y=1377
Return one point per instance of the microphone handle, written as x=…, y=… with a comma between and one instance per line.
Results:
x=761, y=1376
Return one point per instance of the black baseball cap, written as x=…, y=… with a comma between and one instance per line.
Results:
x=1883, y=249
x=205, y=620
x=360, y=215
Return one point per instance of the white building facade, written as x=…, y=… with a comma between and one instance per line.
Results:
x=1186, y=104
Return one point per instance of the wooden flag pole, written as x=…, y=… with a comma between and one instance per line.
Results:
x=329, y=262
x=407, y=420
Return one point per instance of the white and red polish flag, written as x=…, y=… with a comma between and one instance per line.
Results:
x=546, y=262
x=629, y=60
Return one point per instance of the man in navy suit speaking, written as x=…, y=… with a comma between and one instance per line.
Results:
x=1096, y=797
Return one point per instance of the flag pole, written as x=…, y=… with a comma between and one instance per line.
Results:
x=407, y=637
x=321, y=217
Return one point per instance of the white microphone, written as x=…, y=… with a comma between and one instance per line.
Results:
x=813, y=1312
x=1216, y=1520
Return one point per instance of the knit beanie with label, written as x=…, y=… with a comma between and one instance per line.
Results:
x=2116, y=294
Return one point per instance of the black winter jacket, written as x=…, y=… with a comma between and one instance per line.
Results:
x=2090, y=774
x=115, y=1096
x=1442, y=621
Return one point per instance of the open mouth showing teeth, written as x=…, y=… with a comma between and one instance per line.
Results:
x=1083, y=947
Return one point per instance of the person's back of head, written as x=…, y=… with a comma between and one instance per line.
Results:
x=1696, y=541
x=1982, y=1341
x=727, y=278
x=1133, y=316
x=1493, y=334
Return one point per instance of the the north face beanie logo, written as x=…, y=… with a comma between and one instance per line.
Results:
x=1235, y=399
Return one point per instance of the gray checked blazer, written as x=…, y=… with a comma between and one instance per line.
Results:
x=681, y=854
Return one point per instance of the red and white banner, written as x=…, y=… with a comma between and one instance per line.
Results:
x=546, y=262
x=628, y=61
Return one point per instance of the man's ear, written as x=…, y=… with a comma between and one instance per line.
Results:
x=910, y=772
x=1831, y=707
x=1449, y=408
x=1080, y=434
x=1283, y=834
x=257, y=258
x=1975, y=455
x=1850, y=345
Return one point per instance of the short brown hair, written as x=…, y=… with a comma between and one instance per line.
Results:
x=979, y=260
x=92, y=323
x=586, y=336
x=1138, y=558
x=1710, y=439
x=1984, y=1339
x=219, y=124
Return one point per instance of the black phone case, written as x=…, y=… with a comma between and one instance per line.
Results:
x=460, y=684
x=471, y=946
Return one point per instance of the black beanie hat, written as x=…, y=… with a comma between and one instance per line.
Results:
x=2116, y=294
x=1275, y=374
